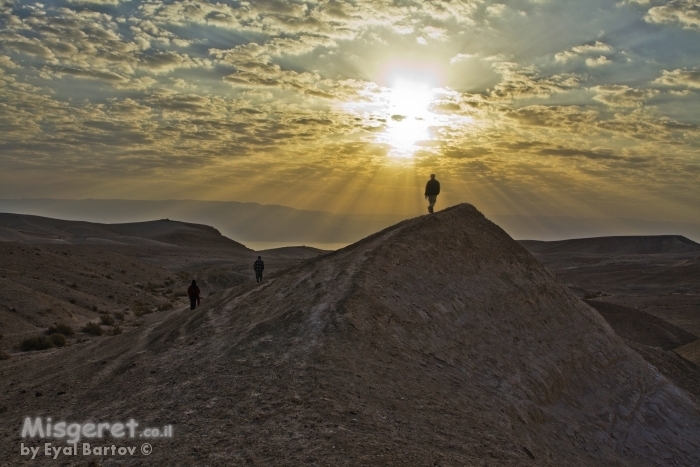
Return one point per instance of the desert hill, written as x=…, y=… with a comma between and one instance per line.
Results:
x=648, y=290
x=631, y=245
x=34, y=229
x=642, y=327
x=438, y=341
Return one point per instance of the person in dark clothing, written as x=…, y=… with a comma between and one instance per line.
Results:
x=193, y=292
x=258, y=267
x=432, y=190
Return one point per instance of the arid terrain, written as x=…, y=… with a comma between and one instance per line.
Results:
x=54, y=271
x=439, y=341
x=657, y=274
x=646, y=287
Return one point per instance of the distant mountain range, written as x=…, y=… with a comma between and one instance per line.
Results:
x=620, y=245
x=255, y=224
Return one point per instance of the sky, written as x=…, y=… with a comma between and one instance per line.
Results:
x=527, y=107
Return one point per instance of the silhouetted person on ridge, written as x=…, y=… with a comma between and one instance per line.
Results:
x=432, y=190
x=193, y=293
x=258, y=267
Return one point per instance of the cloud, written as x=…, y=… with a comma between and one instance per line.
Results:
x=467, y=152
x=684, y=92
x=594, y=62
x=576, y=118
x=561, y=151
x=684, y=12
x=497, y=9
x=585, y=49
x=97, y=2
x=30, y=46
x=687, y=78
x=162, y=62
x=622, y=96
x=6, y=62
x=462, y=57
x=105, y=75
x=254, y=67
x=520, y=82
x=641, y=124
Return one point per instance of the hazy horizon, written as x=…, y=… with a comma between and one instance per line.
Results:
x=270, y=226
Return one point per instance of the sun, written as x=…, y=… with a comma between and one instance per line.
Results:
x=410, y=99
x=409, y=117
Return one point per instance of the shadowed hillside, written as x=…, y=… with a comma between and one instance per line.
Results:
x=438, y=341
x=642, y=327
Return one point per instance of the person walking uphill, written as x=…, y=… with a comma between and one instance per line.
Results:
x=432, y=190
x=193, y=292
x=258, y=267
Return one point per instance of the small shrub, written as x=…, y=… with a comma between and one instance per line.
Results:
x=92, y=328
x=4, y=355
x=58, y=339
x=116, y=329
x=107, y=320
x=110, y=296
x=72, y=301
x=169, y=291
x=74, y=285
x=93, y=308
x=119, y=315
x=140, y=309
x=60, y=328
x=108, y=276
x=165, y=306
x=36, y=343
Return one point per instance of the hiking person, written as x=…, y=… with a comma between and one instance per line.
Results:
x=193, y=293
x=432, y=190
x=258, y=267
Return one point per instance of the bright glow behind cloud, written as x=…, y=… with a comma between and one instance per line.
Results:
x=410, y=117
